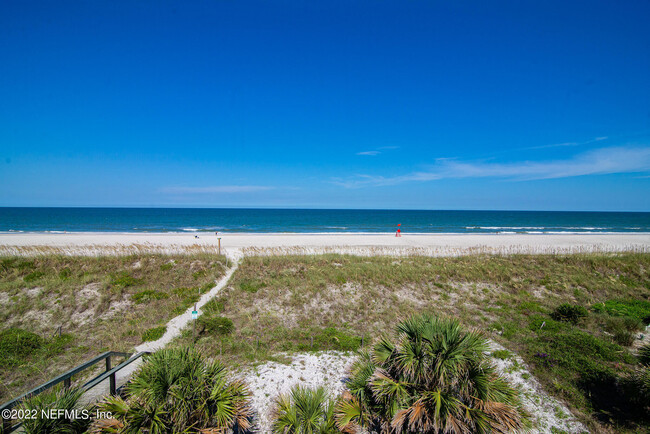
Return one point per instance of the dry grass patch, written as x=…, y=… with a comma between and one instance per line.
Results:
x=99, y=303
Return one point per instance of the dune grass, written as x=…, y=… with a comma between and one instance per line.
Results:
x=58, y=311
x=302, y=303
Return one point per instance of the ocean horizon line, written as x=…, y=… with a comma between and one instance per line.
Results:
x=271, y=208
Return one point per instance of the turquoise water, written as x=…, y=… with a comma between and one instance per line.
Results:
x=313, y=220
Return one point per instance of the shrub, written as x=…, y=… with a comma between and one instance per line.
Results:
x=215, y=324
x=631, y=324
x=166, y=267
x=7, y=264
x=177, y=390
x=639, y=309
x=569, y=313
x=541, y=324
x=622, y=329
x=412, y=384
x=65, y=273
x=600, y=383
x=16, y=344
x=338, y=339
x=31, y=277
x=56, y=398
x=304, y=410
x=644, y=355
x=251, y=285
x=124, y=279
x=154, y=334
x=577, y=350
x=148, y=295
x=57, y=344
x=624, y=337
x=329, y=338
x=636, y=389
x=23, y=265
x=214, y=306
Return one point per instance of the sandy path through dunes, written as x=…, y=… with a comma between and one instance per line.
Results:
x=174, y=328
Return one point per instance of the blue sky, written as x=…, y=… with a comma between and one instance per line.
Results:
x=425, y=105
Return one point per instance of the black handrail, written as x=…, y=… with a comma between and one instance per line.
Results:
x=7, y=424
x=111, y=374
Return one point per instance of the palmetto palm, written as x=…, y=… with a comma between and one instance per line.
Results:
x=435, y=378
x=54, y=400
x=177, y=390
x=304, y=411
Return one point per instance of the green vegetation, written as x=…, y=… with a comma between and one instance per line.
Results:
x=502, y=354
x=153, y=334
x=434, y=374
x=215, y=324
x=251, y=285
x=16, y=344
x=304, y=411
x=177, y=390
x=100, y=303
x=644, y=354
x=569, y=312
x=148, y=295
x=638, y=309
x=55, y=399
x=124, y=279
x=31, y=277
x=19, y=348
x=338, y=302
x=304, y=303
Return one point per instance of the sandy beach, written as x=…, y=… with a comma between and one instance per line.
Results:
x=303, y=243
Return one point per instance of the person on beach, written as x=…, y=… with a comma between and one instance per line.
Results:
x=399, y=231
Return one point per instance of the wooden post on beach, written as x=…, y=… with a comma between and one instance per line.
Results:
x=219, y=245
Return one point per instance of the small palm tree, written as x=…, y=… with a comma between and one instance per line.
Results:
x=434, y=379
x=56, y=399
x=304, y=411
x=177, y=390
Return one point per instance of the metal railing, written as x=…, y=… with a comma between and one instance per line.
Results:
x=66, y=378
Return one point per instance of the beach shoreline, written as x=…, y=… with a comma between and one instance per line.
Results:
x=309, y=243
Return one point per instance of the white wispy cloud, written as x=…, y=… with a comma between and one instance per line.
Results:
x=567, y=144
x=217, y=189
x=378, y=150
x=595, y=162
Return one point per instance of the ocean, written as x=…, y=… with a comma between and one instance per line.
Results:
x=314, y=220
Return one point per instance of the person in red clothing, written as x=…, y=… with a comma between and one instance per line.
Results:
x=399, y=231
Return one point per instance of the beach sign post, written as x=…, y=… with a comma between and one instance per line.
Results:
x=195, y=316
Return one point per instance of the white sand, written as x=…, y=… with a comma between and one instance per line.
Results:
x=330, y=369
x=269, y=380
x=367, y=244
